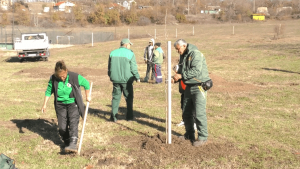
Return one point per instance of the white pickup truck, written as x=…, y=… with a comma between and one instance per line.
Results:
x=32, y=45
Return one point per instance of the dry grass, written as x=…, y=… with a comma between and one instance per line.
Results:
x=253, y=105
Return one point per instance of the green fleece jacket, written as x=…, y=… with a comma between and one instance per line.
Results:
x=122, y=66
x=194, y=68
x=158, y=56
x=64, y=89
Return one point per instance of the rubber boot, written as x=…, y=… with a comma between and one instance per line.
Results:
x=73, y=145
x=66, y=142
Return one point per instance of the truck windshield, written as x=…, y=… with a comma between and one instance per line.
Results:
x=34, y=37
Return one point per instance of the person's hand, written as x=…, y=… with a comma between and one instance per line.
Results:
x=44, y=108
x=177, y=77
x=138, y=80
x=172, y=80
x=88, y=98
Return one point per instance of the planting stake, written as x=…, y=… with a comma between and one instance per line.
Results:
x=85, y=116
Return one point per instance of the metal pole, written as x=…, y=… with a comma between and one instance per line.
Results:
x=155, y=34
x=84, y=121
x=56, y=39
x=5, y=39
x=193, y=31
x=13, y=24
x=169, y=93
x=92, y=39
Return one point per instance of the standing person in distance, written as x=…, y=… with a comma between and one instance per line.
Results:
x=122, y=71
x=68, y=102
x=148, y=55
x=158, y=59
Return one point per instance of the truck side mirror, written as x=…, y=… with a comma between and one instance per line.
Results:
x=49, y=41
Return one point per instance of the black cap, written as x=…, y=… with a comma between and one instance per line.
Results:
x=157, y=44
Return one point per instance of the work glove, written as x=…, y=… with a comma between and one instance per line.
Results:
x=138, y=80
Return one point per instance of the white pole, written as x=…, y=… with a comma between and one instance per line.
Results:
x=176, y=32
x=169, y=93
x=56, y=39
x=193, y=31
x=128, y=34
x=155, y=34
x=85, y=116
x=92, y=39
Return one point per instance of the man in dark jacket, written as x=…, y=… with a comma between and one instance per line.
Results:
x=193, y=72
x=122, y=71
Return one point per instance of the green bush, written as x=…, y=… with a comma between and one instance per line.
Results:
x=180, y=18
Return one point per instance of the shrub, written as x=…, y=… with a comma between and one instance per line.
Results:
x=113, y=17
x=98, y=16
x=180, y=18
x=129, y=17
x=4, y=19
x=143, y=21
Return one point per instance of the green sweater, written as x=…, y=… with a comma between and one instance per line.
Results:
x=122, y=66
x=194, y=68
x=64, y=89
x=158, y=56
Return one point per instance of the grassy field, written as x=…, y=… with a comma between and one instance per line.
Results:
x=253, y=109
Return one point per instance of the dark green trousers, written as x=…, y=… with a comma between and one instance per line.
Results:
x=194, y=101
x=127, y=90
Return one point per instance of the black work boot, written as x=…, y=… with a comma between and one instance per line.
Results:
x=187, y=137
x=66, y=142
x=73, y=145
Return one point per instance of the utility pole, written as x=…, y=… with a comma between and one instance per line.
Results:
x=188, y=7
x=254, y=6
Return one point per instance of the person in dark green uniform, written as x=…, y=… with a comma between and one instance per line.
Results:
x=68, y=102
x=122, y=71
x=193, y=72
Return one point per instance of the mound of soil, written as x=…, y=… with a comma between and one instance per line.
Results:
x=149, y=152
x=221, y=85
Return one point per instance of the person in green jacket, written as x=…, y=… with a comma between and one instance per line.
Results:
x=193, y=72
x=157, y=61
x=122, y=71
x=68, y=102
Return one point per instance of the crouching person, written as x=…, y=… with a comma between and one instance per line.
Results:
x=68, y=102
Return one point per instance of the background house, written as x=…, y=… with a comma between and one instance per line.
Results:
x=63, y=6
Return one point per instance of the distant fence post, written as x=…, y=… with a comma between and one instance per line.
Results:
x=92, y=39
x=233, y=30
x=56, y=39
x=176, y=32
x=154, y=33
x=128, y=34
x=5, y=39
x=193, y=31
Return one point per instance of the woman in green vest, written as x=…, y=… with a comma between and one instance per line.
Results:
x=68, y=102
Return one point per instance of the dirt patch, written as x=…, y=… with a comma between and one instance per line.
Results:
x=221, y=85
x=46, y=72
x=148, y=152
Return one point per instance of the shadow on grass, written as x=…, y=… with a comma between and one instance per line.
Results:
x=16, y=59
x=138, y=117
x=46, y=129
x=279, y=70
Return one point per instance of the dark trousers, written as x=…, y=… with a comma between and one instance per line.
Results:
x=158, y=76
x=149, y=72
x=127, y=90
x=68, y=120
x=195, y=102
